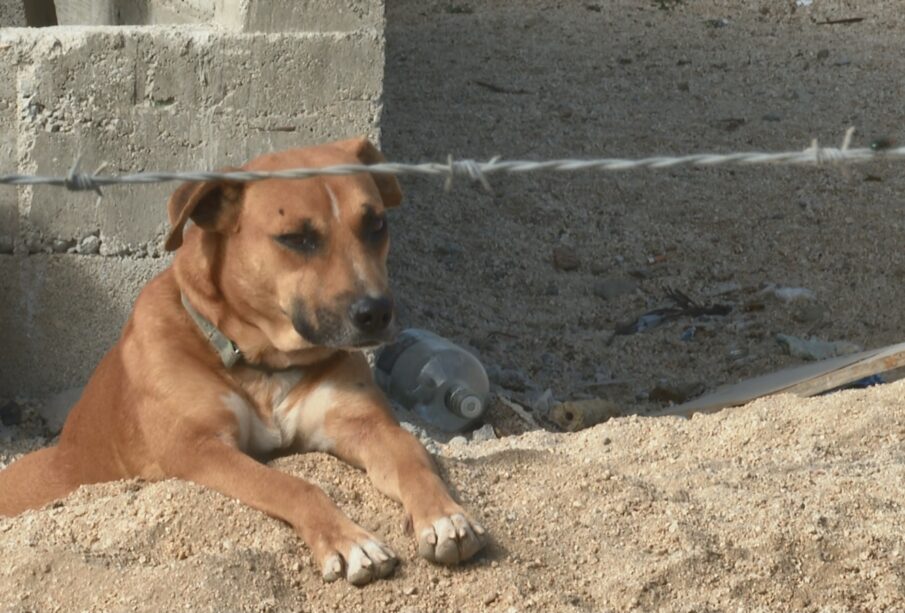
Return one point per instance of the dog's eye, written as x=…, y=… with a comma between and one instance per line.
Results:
x=375, y=228
x=307, y=241
x=378, y=225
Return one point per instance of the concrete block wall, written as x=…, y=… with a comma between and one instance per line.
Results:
x=144, y=98
x=240, y=15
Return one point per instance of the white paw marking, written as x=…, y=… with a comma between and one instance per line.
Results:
x=450, y=540
x=365, y=561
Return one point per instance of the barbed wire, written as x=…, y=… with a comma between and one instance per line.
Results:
x=477, y=171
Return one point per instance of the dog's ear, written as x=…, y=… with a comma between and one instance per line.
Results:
x=367, y=153
x=211, y=205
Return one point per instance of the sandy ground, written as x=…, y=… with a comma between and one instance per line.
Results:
x=782, y=504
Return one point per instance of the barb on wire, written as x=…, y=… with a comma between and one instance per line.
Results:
x=471, y=169
x=474, y=170
x=77, y=181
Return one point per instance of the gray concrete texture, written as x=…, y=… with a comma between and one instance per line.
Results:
x=12, y=13
x=240, y=15
x=141, y=98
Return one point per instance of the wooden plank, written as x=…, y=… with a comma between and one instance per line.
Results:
x=805, y=380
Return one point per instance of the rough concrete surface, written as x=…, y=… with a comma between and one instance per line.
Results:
x=12, y=14
x=60, y=314
x=170, y=98
x=9, y=209
x=240, y=15
x=785, y=504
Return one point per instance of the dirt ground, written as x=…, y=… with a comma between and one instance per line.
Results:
x=783, y=504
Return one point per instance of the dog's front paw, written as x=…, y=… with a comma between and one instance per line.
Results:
x=360, y=560
x=450, y=539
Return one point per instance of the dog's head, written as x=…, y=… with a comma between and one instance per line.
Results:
x=304, y=260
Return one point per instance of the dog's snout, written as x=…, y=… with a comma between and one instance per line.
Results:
x=372, y=315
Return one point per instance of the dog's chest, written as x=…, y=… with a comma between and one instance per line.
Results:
x=278, y=411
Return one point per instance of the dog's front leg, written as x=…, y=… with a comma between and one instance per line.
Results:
x=339, y=545
x=364, y=433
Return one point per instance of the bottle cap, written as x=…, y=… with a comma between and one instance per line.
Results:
x=465, y=403
x=471, y=406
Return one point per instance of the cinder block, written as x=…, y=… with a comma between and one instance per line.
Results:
x=143, y=12
x=60, y=314
x=175, y=99
x=87, y=12
x=319, y=15
x=237, y=15
x=8, y=144
x=12, y=14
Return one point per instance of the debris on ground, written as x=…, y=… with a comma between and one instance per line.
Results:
x=684, y=307
x=814, y=349
x=484, y=433
x=574, y=415
x=676, y=393
x=789, y=294
x=565, y=258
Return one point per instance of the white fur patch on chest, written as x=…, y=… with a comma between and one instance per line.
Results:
x=254, y=435
x=305, y=417
x=285, y=418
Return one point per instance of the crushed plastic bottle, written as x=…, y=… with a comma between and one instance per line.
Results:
x=442, y=383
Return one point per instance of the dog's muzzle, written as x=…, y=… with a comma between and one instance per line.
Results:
x=367, y=322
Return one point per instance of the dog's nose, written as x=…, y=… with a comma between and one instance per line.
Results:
x=372, y=315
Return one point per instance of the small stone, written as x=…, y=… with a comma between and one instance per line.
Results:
x=90, y=245
x=823, y=54
x=458, y=441
x=565, y=258
x=490, y=597
x=61, y=246
x=11, y=414
x=808, y=313
x=610, y=289
x=410, y=590
x=484, y=433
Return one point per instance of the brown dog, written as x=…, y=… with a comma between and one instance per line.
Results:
x=247, y=345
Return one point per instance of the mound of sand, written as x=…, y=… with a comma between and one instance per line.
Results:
x=785, y=503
